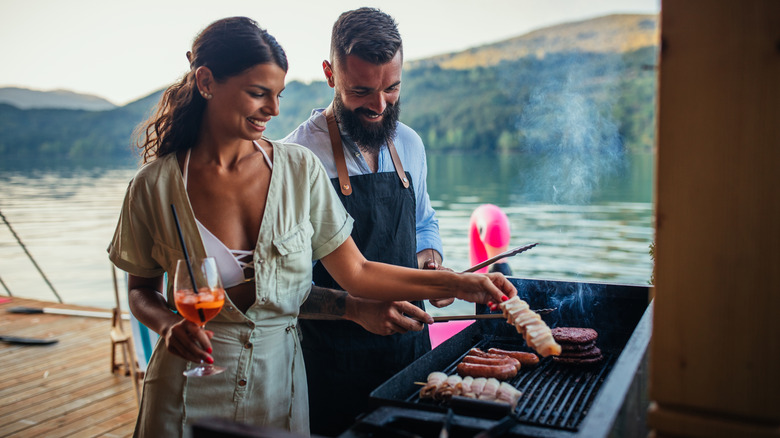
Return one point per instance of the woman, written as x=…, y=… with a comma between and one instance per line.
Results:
x=273, y=205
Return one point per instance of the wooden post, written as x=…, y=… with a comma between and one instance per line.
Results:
x=716, y=331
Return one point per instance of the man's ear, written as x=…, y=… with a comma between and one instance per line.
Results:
x=204, y=80
x=328, y=70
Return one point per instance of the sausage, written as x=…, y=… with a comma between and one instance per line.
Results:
x=493, y=361
x=501, y=372
x=476, y=352
x=480, y=353
x=526, y=359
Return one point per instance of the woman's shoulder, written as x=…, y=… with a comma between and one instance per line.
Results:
x=155, y=172
x=295, y=154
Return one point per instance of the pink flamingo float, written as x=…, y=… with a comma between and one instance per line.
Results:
x=488, y=236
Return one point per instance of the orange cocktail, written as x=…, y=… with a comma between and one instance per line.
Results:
x=199, y=297
x=201, y=307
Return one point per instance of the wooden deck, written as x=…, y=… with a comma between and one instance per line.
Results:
x=64, y=389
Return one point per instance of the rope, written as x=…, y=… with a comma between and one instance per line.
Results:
x=31, y=258
x=6, y=288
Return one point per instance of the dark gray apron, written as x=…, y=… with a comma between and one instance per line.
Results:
x=344, y=362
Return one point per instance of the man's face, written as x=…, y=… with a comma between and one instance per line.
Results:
x=366, y=100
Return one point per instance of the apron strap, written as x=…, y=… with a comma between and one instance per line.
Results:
x=399, y=168
x=338, y=152
x=341, y=163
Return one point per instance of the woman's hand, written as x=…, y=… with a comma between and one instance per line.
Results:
x=188, y=341
x=484, y=288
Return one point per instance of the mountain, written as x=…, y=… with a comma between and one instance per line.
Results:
x=584, y=84
x=618, y=33
x=588, y=85
x=24, y=98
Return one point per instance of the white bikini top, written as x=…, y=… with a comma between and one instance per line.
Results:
x=230, y=262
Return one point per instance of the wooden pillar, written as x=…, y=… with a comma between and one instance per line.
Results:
x=715, y=354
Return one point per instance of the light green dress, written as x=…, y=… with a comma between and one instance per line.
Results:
x=265, y=381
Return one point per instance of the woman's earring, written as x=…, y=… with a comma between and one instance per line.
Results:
x=206, y=96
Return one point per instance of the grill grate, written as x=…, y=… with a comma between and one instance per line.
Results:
x=555, y=395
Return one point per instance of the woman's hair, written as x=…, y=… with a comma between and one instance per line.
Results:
x=228, y=47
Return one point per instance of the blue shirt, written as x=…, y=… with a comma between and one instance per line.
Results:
x=313, y=134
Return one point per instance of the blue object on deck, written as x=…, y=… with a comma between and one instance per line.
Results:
x=145, y=340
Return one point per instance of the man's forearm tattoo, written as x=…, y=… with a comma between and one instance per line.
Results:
x=324, y=303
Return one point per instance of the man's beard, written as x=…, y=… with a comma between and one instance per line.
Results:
x=369, y=136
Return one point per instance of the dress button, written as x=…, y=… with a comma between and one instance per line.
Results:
x=230, y=308
x=248, y=345
x=242, y=382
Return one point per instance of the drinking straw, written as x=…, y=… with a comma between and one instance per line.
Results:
x=186, y=258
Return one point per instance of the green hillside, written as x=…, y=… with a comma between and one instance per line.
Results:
x=589, y=82
x=609, y=34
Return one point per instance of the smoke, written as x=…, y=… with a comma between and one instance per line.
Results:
x=566, y=125
x=577, y=305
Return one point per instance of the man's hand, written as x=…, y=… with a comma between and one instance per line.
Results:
x=378, y=317
x=386, y=318
x=432, y=263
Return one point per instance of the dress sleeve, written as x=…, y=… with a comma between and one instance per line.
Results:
x=131, y=248
x=331, y=222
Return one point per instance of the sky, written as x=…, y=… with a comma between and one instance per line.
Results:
x=123, y=51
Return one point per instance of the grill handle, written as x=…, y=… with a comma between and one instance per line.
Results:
x=480, y=408
x=499, y=429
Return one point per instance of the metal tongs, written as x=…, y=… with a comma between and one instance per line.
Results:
x=479, y=266
x=505, y=254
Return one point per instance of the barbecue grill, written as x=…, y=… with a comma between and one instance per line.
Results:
x=558, y=400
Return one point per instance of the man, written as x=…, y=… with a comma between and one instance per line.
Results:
x=378, y=168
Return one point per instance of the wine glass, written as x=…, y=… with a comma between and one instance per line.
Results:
x=201, y=304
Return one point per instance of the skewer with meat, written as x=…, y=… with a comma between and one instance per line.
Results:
x=465, y=386
x=450, y=388
x=508, y=393
x=435, y=380
x=529, y=324
x=442, y=387
x=439, y=386
x=478, y=385
x=490, y=390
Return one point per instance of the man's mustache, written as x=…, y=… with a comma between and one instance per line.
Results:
x=368, y=112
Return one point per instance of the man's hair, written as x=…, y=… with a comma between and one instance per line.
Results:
x=367, y=33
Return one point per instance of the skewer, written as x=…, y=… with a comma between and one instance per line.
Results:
x=485, y=316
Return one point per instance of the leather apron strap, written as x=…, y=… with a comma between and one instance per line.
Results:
x=341, y=163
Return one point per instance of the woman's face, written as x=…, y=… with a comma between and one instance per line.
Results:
x=243, y=104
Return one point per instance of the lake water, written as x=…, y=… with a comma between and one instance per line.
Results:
x=592, y=216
